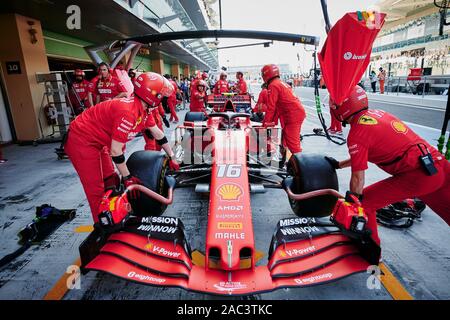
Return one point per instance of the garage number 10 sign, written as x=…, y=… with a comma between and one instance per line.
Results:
x=13, y=67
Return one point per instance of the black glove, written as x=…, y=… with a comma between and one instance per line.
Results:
x=148, y=133
x=166, y=122
x=334, y=163
x=349, y=198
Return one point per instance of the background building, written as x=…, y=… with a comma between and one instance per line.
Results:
x=253, y=73
x=410, y=39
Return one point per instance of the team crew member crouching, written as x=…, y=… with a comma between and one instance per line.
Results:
x=281, y=103
x=111, y=124
x=198, y=98
x=417, y=169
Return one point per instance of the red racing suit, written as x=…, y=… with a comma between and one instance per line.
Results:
x=261, y=105
x=241, y=86
x=193, y=87
x=282, y=103
x=198, y=102
x=378, y=137
x=172, y=101
x=93, y=88
x=89, y=139
x=108, y=88
x=221, y=87
x=154, y=119
x=82, y=89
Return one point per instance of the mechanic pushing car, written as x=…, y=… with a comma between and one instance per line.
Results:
x=241, y=85
x=417, y=168
x=198, y=98
x=111, y=124
x=281, y=103
x=106, y=86
x=221, y=85
x=159, y=117
x=261, y=105
x=81, y=88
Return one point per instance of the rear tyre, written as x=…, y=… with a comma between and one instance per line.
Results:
x=195, y=117
x=150, y=167
x=312, y=172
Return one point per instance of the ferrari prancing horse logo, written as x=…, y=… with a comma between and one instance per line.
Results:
x=367, y=120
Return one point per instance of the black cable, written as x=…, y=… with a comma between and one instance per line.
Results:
x=337, y=140
x=401, y=215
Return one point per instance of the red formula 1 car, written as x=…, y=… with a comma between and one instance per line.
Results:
x=230, y=102
x=229, y=156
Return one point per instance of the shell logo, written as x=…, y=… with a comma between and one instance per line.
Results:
x=399, y=127
x=229, y=192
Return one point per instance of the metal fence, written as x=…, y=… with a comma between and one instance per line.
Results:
x=426, y=85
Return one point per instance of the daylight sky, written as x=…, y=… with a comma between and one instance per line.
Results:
x=292, y=16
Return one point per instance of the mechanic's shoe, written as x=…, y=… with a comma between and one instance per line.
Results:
x=331, y=131
x=339, y=133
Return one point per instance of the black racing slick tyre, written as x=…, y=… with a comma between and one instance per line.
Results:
x=194, y=117
x=150, y=167
x=312, y=172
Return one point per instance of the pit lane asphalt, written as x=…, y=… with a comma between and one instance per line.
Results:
x=432, y=117
x=419, y=257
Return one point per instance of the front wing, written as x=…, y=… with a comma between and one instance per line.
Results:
x=159, y=259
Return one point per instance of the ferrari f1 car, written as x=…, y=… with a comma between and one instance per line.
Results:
x=135, y=241
x=230, y=102
x=229, y=156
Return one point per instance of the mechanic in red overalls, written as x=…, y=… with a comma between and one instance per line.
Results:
x=109, y=125
x=198, y=99
x=221, y=85
x=378, y=137
x=282, y=103
x=261, y=104
x=172, y=100
x=159, y=117
x=107, y=86
x=81, y=87
x=241, y=85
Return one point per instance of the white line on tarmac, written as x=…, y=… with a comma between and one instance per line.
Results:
x=408, y=123
x=406, y=105
x=396, y=104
